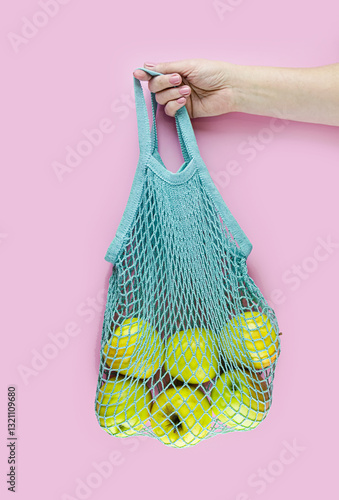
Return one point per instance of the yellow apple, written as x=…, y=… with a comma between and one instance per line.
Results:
x=192, y=356
x=180, y=416
x=260, y=346
x=123, y=406
x=135, y=348
x=240, y=399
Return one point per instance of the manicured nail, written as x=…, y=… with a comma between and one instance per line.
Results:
x=181, y=100
x=185, y=90
x=149, y=64
x=175, y=79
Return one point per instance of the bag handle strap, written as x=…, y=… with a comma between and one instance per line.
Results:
x=148, y=144
x=148, y=140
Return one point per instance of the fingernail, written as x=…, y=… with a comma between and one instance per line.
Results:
x=149, y=64
x=181, y=100
x=184, y=90
x=174, y=79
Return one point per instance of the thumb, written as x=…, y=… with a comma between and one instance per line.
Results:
x=170, y=67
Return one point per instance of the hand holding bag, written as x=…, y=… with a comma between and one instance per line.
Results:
x=189, y=344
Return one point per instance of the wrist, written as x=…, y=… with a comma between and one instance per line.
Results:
x=246, y=87
x=231, y=85
x=239, y=85
x=260, y=90
x=265, y=90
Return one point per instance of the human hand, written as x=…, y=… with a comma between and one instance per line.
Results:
x=204, y=86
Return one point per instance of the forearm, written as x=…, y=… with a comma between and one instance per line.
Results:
x=301, y=94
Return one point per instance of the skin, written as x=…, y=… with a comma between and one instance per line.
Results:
x=217, y=87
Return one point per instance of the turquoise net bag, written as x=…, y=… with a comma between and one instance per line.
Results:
x=189, y=345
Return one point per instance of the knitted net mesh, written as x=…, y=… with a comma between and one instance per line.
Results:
x=189, y=344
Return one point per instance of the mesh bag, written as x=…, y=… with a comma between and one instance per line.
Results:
x=189, y=345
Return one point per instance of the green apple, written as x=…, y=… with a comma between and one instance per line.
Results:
x=180, y=416
x=192, y=356
x=123, y=406
x=240, y=399
x=254, y=341
x=134, y=348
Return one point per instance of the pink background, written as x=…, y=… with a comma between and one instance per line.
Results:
x=69, y=75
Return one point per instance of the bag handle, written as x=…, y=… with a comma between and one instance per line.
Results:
x=148, y=140
x=154, y=135
x=148, y=144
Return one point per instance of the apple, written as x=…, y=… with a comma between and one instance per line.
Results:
x=123, y=406
x=135, y=348
x=192, y=356
x=180, y=416
x=252, y=341
x=240, y=399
